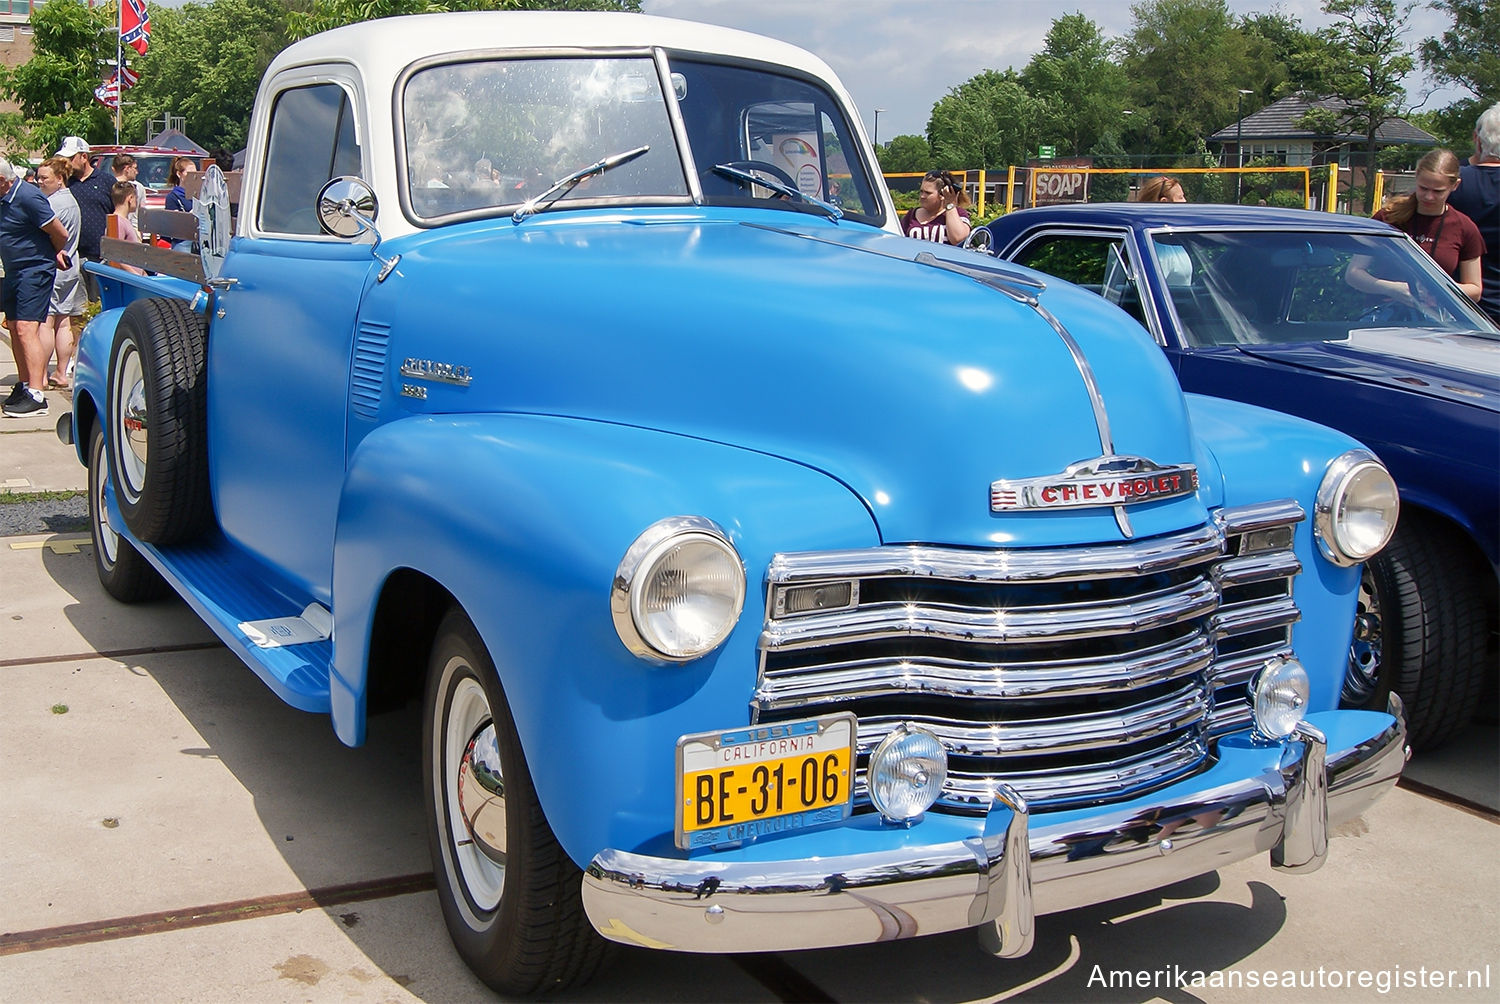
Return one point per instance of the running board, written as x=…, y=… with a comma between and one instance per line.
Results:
x=241, y=602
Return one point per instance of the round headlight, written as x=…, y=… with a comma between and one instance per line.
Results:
x=906, y=773
x=1279, y=695
x=678, y=591
x=1356, y=508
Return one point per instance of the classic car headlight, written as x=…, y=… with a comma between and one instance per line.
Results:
x=678, y=590
x=1356, y=508
x=1278, y=697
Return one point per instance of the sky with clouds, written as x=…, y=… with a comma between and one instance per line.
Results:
x=902, y=55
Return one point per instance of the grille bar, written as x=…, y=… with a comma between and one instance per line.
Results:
x=999, y=680
x=1184, y=707
x=999, y=624
x=1130, y=560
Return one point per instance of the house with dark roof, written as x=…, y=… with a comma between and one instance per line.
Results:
x=1274, y=132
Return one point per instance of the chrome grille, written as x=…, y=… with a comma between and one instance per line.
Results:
x=1073, y=675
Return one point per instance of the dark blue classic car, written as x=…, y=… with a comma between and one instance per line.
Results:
x=1343, y=321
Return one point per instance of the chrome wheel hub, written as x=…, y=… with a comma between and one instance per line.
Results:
x=129, y=396
x=105, y=537
x=476, y=793
x=1363, y=677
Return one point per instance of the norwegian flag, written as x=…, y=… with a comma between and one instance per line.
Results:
x=135, y=25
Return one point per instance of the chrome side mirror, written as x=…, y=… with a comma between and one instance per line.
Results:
x=979, y=239
x=347, y=207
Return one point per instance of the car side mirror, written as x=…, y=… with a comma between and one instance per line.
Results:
x=347, y=207
x=980, y=240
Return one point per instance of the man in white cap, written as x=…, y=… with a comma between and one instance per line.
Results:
x=91, y=189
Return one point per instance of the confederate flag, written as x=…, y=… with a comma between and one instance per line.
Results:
x=135, y=25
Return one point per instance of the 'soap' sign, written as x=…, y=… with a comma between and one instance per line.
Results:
x=1062, y=181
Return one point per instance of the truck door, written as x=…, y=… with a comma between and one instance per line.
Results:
x=281, y=338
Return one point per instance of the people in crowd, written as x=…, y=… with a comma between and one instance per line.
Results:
x=1478, y=197
x=125, y=207
x=177, y=198
x=90, y=190
x=1160, y=188
x=33, y=246
x=1445, y=233
x=941, y=214
x=68, y=297
x=127, y=168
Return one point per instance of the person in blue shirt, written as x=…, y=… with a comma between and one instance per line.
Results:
x=1478, y=197
x=32, y=249
x=177, y=198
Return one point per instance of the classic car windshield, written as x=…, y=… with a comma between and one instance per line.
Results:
x=1249, y=287
x=488, y=134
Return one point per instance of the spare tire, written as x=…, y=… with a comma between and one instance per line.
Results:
x=157, y=424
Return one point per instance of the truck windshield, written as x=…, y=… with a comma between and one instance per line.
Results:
x=485, y=136
x=1267, y=287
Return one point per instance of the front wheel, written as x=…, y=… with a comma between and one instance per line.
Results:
x=1421, y=632
x=510, y=896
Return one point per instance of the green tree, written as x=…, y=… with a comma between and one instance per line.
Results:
x=1287, y=46
x=205, y=63
x=1185, y=60
x=1361, y=62
x=55, y=87
x=321, y=15
x=905, y=155
x=987, y=121
x=1082, y=86
x=1468, y=56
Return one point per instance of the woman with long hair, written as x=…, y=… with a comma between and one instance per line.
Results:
x=1447, y=235
x=1160, y=188
x=68, y=297
x=941, y=214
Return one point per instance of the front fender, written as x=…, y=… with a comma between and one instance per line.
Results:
x=1263, y=455
x=524, y=520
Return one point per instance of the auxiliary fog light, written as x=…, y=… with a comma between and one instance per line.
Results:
x=1279, y=695
x=906, y=773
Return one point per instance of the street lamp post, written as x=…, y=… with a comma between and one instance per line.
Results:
x=1239, y=147
x=875, y=139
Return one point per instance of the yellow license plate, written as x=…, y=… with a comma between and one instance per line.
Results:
x=764, y=779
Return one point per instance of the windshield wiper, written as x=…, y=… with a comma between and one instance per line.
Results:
x=779, y=187
x=563, y=186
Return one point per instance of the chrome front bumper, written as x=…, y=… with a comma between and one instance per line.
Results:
x=1282, y=799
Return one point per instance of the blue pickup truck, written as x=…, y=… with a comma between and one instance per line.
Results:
x=769, y=581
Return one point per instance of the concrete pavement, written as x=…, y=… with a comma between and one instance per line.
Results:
x=170, y=831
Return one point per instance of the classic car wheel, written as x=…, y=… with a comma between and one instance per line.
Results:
x=124, y=573
x=510, y=896
x=1422, y=614
x=158, y=443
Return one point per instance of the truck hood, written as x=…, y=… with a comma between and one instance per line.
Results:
x=823, y=344
x=1455, y=367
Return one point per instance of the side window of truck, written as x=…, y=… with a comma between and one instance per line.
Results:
x=312, y=140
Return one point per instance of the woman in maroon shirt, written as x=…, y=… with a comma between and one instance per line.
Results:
x=1450, y=237
x=940, y=215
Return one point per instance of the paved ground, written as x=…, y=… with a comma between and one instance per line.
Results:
x=170, y=831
